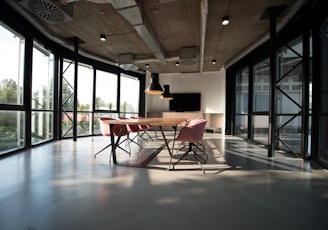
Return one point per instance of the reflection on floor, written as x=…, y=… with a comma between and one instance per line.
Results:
x=61, y=186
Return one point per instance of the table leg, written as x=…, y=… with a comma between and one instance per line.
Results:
x=175, y=133
x=112, y=139
x=165, y=140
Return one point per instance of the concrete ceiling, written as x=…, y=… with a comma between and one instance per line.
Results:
x=157, y=32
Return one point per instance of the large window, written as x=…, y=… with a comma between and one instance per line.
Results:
x=323, y=137
x=67, y=98
x=25, y=122
x=106, y=91
x=105, y=96
x=289, y=95
x=12, y=119
x=129, y=99
x=292, y=99
x=11, y=62
x=42, y=95
x=84, y=100
x=261, y=89
x=242, y=91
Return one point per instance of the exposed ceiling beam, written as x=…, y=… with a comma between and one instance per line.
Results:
x=132, y=12
x=203, y=22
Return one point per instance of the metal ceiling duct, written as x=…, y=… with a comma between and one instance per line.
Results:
x=95, y=1
x=132, y=12
x=188, y=56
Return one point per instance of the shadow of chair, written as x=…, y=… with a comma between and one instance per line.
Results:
x=116, y=129
x=192, y=135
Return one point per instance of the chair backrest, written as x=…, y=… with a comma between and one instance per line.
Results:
x=193, y=131
x=131, y=128
x=195, y=121
x=104, y=127
x=141, y=127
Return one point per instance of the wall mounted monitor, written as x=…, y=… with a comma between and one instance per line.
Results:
x=185, y=102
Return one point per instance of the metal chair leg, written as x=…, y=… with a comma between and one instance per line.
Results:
x=199, y=158
x=94, y=156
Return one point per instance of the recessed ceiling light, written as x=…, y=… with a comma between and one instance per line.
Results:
x=225, y=20
x=103, y=37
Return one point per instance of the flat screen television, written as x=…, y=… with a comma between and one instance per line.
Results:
x=185, y=102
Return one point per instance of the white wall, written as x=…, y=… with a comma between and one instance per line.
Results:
x=211, y=85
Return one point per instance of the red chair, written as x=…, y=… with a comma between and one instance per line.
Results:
x=105, y=131
x=192, y=133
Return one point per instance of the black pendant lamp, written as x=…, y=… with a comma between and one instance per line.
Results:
x=154, y=86
x=167, y=95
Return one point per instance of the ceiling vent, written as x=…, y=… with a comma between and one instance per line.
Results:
x=49, y=11
x=188, y=56
x=126, y=62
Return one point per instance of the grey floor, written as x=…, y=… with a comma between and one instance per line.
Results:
x=61, y=186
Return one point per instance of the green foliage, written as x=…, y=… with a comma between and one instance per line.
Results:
x=7, y=122
x=43, y=101
x=8, y=91
x=8, y=94
x=125, y=107
x=67, y=97
x=84, y=107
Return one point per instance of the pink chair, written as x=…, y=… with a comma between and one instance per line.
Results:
x=132, y=129
x=192, y=133
x=105, y=131
x=144, y=129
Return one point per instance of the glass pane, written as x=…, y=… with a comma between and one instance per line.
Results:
x=11, y=67
x=290, y=134
x=84, y=124
x=323, y=156
x=12, y=130
x=242, y=92
x=67, y=124
x=42, y=83
x=323, y=132
x=285, y=105
x=106, y=91
x=130, y=88
x=68, y=86
x=310, y=80
x=261, y=129
x=289, y=99
x=324, y=103
x=42, y=126
x=85, y=88
x=241, y=126
x=291, y=78
x=261, y=86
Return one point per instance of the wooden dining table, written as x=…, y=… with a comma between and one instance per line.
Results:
x=153, y=122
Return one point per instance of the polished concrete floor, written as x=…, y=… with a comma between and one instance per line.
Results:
x=61, y=186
